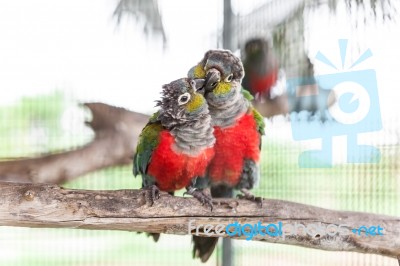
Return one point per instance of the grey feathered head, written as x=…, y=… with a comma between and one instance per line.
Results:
x=180, y=103
x=222, y=70
x=223, y=73
x=226, y=63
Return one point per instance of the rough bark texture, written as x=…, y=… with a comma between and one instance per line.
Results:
x=116, y=133
x=40, y=205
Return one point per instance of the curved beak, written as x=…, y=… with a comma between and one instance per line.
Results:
x=198, y=85
x=213, y=77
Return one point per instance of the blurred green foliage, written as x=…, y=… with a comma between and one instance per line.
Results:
x=31, y=124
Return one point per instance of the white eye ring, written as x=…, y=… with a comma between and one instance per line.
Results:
x=229, y=78
x=184, y=98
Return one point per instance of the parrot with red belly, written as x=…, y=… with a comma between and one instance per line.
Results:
x=238, y=128
x=261, y=68
x=176, y=145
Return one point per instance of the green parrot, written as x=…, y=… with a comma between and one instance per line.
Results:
x=176, y=145
x=238, y=128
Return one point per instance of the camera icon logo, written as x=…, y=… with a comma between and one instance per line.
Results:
x=355, y=111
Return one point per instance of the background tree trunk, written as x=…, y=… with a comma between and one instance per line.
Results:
x=116, y=134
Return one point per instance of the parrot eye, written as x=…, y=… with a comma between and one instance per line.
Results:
x=229, y=78
x=184, y=98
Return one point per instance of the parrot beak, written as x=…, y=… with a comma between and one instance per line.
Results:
x=198, y=85
x=213, y=77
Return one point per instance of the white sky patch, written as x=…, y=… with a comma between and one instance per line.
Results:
x=76, y=46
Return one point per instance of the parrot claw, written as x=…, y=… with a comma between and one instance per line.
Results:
x=152, y=193
x=200, y=196
x=249, y=196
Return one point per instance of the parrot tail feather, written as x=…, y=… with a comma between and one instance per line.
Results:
x=155, y=236
x=204, y=247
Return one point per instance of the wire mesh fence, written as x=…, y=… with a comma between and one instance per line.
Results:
x=51, y=122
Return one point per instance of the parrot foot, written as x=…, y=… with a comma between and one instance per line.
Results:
x=231, y=205
x=246, y=194
x=151, y=194
x=200, y=196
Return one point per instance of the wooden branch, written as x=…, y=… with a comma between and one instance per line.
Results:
x=116, y=133
x=39, y=205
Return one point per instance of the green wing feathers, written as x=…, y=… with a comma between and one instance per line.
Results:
x=148, y=141
x=257, y=116
x=259, y=120
x=247, y=94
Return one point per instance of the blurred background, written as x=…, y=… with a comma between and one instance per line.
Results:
x=55, y=55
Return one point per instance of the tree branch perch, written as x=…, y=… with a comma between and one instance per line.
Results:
x=41, y=205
